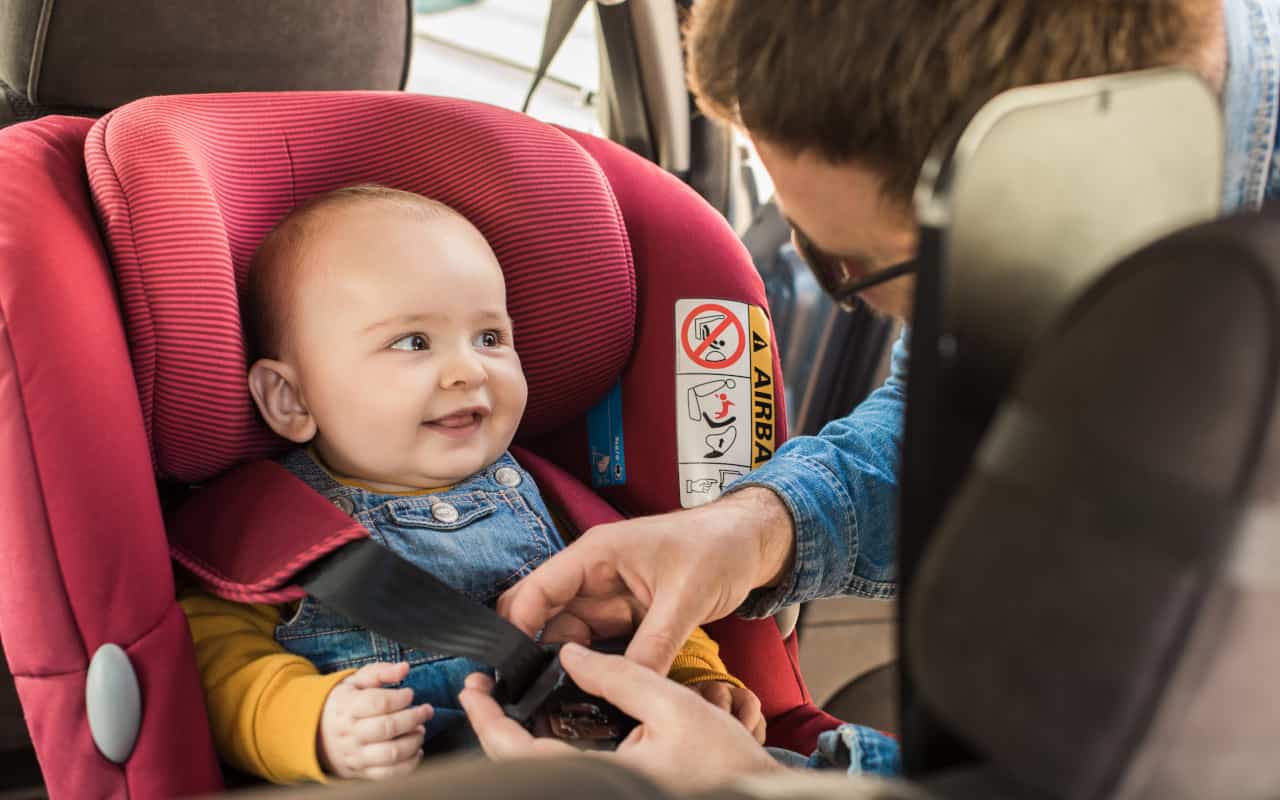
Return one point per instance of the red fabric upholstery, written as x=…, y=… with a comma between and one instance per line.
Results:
x=249, y=537
x=771, y=667
x=187, y=187
x=682, y=249
x=582, y=508
x=83, y=557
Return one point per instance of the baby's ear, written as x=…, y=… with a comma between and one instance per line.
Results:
x=274, y=387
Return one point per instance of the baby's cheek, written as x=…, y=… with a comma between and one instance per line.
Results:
x=515, y=401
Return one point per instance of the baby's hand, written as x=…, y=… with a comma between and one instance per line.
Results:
x=741, y=703
x=367, y=731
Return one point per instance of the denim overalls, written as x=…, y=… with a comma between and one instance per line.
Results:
x=480, y=537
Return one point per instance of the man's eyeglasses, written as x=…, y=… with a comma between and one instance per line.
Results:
x=837, y=279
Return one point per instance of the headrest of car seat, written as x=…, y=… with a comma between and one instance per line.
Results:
x=98, y=54
x=1096, y=613
x=187, y=187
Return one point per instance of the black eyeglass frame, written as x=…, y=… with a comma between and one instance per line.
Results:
x=834, y=277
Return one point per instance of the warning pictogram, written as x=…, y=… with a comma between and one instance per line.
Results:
x=725, y=395
x=712, y=336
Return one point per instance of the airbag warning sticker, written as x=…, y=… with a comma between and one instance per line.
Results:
x=724, y=395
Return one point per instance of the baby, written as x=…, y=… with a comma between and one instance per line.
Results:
x=387, y=355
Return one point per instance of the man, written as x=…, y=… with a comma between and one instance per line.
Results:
x=843, y=102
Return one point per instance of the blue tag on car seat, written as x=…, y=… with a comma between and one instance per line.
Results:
x=604, y=435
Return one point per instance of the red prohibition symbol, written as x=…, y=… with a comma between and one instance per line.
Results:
x=706, y=347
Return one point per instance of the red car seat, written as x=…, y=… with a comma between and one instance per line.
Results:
x=124, y=361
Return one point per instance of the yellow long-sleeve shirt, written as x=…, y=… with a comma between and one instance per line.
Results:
x=264, y=703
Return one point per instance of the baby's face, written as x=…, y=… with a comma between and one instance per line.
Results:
x=403, y=347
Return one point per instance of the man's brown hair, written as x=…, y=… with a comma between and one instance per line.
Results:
x=880, y=82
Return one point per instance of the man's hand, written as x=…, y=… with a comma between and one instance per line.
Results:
x=367, y=731
x=668, y=573
x=741, y=703
x=682, y=741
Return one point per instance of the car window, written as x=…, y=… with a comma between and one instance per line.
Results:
x=488, y=51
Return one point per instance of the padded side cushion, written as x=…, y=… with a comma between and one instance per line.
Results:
x=83, y=559
x=683, y=248
x=248, y=536
x=188, y=186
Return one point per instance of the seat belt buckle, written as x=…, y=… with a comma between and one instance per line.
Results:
x=554, y=706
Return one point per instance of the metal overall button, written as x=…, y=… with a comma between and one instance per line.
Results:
x=343, y=504
x=508, y=477
x=445, y=512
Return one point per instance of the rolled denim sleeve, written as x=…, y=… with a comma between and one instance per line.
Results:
x=858, y=750
x=841, y=489
x=855, y=749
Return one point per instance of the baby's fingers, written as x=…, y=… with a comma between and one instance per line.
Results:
x=393, y=752
x=403, y=768
x=746, y=707
x=403, y=764
x=386, y=727
x=375, y=676
x=380, y=702
x=717, y=694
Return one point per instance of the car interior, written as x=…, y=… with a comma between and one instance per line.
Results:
x=146, y=148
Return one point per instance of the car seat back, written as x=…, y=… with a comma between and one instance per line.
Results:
x=1132, y=157
x=1095, y=613
x=88, y=56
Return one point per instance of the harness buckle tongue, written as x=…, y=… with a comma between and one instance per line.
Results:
x=379, y=590
x=555, y=706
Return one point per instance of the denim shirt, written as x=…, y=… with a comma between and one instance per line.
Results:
x=479, y=536
x=1249, y=104
x=840, y=486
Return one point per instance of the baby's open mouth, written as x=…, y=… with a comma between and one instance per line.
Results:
x=459, y=422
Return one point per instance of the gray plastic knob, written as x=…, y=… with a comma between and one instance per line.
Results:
x=114, y=703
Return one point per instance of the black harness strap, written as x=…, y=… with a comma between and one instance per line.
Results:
x=375, y=588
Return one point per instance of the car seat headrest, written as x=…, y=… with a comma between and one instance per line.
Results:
x=95, y=54
x=1095, y=614
x=187, y=186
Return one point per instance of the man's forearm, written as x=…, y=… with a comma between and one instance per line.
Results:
x=764, y=512
x=829, y=527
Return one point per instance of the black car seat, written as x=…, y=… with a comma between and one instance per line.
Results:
x=86, y=57
x=1093, y=617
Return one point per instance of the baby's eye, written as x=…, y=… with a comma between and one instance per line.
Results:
x=488, y=339
x=414, y=341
